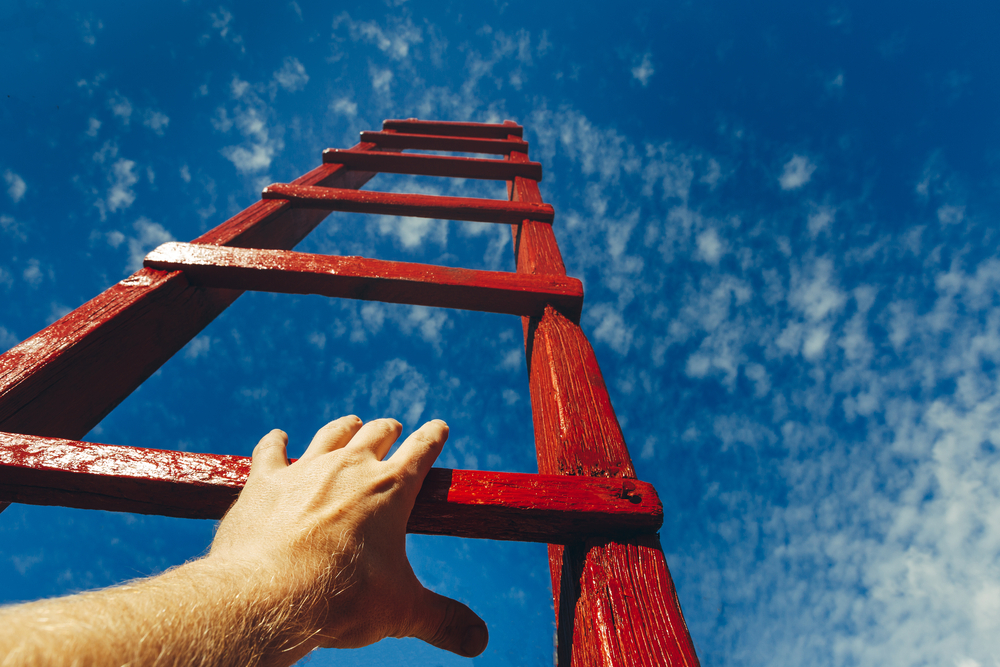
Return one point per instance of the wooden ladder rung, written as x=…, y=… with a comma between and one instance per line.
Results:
x=434, y=165
x=289, y=272
x=420, y=206
x=435, y=142
x=464, y=503
x=449, y=128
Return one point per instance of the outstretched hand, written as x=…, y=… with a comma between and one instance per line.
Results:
x=328, y=534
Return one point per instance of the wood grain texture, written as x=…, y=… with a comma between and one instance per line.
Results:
x=615, y=601
x=464, y=503
x=535, y=247
x=431, y=142
x=434, y=165
x=368, y=279
x=63, y=380
x=455, y=129
x=420, y=206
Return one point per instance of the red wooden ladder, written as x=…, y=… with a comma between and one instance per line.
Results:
x=615, y=601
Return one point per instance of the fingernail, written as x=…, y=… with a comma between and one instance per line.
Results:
x=474, y=641
x=440, y=421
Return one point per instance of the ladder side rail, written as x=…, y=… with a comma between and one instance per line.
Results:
x=63, y=380
x=615, y=601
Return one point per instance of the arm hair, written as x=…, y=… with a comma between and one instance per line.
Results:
x=202, y=613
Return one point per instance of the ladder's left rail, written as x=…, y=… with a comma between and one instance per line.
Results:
x=57, y=383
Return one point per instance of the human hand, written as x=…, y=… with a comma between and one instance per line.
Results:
x=327, y=534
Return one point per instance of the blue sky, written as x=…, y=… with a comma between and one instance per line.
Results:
x=783, y=214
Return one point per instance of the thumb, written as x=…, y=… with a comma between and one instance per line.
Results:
x=450, y=625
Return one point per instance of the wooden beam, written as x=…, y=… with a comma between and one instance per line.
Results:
x=434, y=165
x=455, y=129
x=463, y=503
x=59, y=381
x=368, y=279
x=420, y=206
x=614, y=599
x=433, y=142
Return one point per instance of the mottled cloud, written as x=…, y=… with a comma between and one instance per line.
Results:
x=796, y=173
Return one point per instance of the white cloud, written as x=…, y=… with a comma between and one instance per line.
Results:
x=797, y=172
x=381, y=79
x=185, y=173
x=395, y=40
x=609, y=327
x=93, y=125
x=412, y=232
x=820, y=220
x=15, y=186
x=238, y=87
x=344, y=107
x=8, y=339
x=12, y=227
x=710, y=247
x=33, y=274
x=318, y=338
x=149, y=235
x=255, y=155
x=249, y=159
x=428, y=322
x=114, y=238
x=950, y=214
x=198, y=347
x=120, y=107
x=292, y=75
x=88, y=28
x=222, y=21
x=510, y=397
x=399, y=391
x=643, y=70
x=513, y=360
x=157, y=121
x=120, y=194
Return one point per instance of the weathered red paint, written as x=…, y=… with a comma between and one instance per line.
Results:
x=63, y=380
x=464, y=503
x=420, y=206
x=368, y=279
x=433, y=165
x=433, y=142
x=615, y=601
x=455, y=129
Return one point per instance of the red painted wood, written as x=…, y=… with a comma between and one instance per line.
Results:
x=63, y=380
x=420, y=206
x=433, y=142
x=455, y=129
x=368, y=279
x=464, y=503
x=615, y=601
x=535, y=247
x=434, y=165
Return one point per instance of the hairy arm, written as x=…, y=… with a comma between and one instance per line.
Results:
x=311, y=554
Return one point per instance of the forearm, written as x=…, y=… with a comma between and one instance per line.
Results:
x=202, y=613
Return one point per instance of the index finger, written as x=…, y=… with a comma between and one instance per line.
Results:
x=419, y=451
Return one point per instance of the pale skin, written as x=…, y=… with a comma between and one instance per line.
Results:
x=312, y=554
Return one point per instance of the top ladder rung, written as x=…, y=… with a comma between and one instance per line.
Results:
x=449, y=128
x=434, y=165
x=435, y=142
